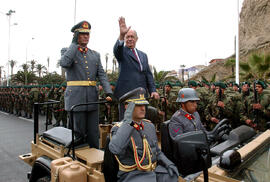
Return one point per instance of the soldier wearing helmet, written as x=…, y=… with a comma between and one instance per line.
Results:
x=187, y=118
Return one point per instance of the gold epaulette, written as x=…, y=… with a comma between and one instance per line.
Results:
x=146, y=120
x=118, y=124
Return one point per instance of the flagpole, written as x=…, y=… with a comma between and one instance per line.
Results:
x=75, y=9
x=237, y=47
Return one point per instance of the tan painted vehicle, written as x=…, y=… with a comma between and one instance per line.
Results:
x=57, y=156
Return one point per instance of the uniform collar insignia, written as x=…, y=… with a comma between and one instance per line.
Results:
x=138, y=126
x=83, y=50
x=187, y=115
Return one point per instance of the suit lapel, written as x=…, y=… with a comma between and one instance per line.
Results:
x=140, y=56
x=130, y=53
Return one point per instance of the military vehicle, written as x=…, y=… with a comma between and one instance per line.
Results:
x=58, y=156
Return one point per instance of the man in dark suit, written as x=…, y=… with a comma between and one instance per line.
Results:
x=134, y=70
x=83, y=68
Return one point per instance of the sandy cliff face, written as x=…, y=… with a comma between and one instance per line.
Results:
x=254, y=32
x=254, y=36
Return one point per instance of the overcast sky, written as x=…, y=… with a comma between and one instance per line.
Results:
x=171, y=32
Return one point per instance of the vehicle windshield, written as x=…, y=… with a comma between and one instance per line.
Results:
x=258, y=168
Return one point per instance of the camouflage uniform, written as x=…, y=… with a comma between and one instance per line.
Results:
x=212, y=110
x=34, y=96
x=204, y=95
x=263, y=115
x=56, y=107
x=171, y=105
x=48, y=108
x=113, y=113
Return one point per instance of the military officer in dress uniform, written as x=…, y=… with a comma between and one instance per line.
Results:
x=83, y=68
x=135, y=145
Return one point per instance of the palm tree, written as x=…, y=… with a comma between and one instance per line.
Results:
x=212, y=80
x=33, y=63
x=22, y=77
x=114, y=64
x=106, y=58
x=25, y=67
x=230, y=63
x=1, y=75
x=257, y=67
x=48, y=62
x=162, y=76
x=12, y=64
x=40, y=69
x=63, y=71
x=183, y=71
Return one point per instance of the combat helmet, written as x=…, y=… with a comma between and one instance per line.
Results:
x=187, y=94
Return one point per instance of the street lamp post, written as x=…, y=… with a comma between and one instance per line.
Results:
x=9, y=13
x=26, y=51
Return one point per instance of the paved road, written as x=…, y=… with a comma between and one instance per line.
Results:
x=16, y=135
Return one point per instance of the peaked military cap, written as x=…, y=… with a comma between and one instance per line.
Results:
x=262, y=83
x=82, y=27
x=136, y=96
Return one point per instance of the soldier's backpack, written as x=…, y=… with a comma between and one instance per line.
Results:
x=110, y=166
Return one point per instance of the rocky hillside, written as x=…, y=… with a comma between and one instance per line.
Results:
x=254, y=36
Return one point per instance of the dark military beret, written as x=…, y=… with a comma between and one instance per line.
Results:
x=262, y=83
x=206, y=82
x=168, y=83
x=113, y=83
x=82, y=27
x=244, y=83
x=220, y=84
x=136, y=96
x=192, y=83
x=64, y=84
x=235, y=84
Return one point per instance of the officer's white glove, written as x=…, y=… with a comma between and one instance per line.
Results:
x=75, y=37
x=128, y=113
x=172, y=170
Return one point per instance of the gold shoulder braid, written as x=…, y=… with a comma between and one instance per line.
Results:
x=138, y=162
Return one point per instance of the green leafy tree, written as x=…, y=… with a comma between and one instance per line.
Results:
x=51, y=78
x=40, y=69
x=23, y=77
x=230, y=63
x=25, y=67
x=162, y=76
x=112, y=77
x=212, y=80
x=33, y=63
x=257, y=67
x=12, y=63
